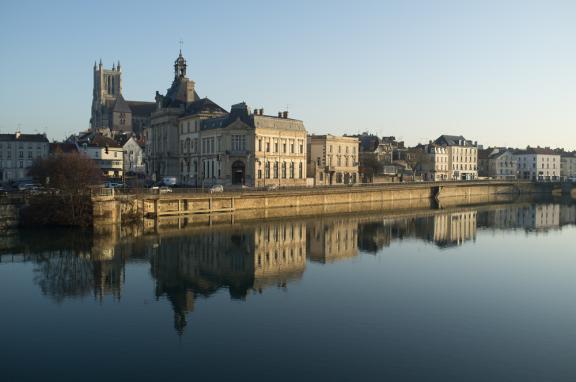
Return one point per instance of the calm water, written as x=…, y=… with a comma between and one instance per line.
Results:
x=474, y=294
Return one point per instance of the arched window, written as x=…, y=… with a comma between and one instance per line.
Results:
x=187, y=145
x=300, y=173
x=284, y=170
x=292, y=170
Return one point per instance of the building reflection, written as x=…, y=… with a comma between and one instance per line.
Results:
x=243, y=259
x=332, y=239
x=269, y=254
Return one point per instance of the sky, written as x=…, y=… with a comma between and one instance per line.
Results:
x=498, y=72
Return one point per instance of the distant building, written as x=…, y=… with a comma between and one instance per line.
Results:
x=133, y=154
x=201, y=144
x=332, y=240
x=106, y=152
x=333, y=159
x=462, y=157
x=538, y=164
x=436, y=167
x=252, y=149
x=568, y=165
x=18, y=152
x=111, y=113
x=497, y=163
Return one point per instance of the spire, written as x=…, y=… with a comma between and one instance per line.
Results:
x=118, y=67
x=100, y=64
x=114, y=66
x=180, y=67
x=94, y=65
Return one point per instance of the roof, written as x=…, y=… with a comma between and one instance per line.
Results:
x=176, y=94
x=102, y=141
x=62, y=147
x=453, y=140
x=536, y=151
x=140, y=108
x=204, y=105
x=121, y=105
x=17, y=137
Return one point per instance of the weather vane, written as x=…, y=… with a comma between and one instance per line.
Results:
x=181, y=43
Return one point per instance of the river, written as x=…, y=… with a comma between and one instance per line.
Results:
x=485, y=293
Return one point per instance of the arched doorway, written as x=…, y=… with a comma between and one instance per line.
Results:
x=238, y=172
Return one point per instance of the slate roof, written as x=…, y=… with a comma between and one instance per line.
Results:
x=140, y=108
x=453, y=140
x=121, y=105
x=537, y=151
x=204, y=105
x=23, y=138
x=102, y=141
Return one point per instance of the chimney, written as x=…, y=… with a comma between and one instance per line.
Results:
x=285, y=115
x=261, y=111
x=17, y=134
x=279, y=114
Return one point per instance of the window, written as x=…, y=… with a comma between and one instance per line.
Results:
x=284, y=147
x=292, y=170
x=300, y=175
x=276, y=146
x=276, y=170
x=267, y=170
x=283, y=170
x=301, y=148
x=238, y=142
x=259, y=144
x=267, y=147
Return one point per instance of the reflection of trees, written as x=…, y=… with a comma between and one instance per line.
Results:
x=61, y=274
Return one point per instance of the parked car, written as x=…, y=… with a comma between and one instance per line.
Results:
x=161, y=189
x=272, y=187
x=113, y=185
x=28, y=186
x=216, y=188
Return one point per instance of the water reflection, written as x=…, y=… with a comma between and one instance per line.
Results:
x=242, y=259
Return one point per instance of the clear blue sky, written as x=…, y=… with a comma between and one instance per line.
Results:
x=499, y=72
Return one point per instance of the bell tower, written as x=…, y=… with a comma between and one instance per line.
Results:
x=107, y=88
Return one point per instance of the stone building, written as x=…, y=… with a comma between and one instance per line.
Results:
x=18, y=152
x=497, y=163
x=163, y=136
x=462, y=157
x=132, y=154
x=201, y=144
x=436, y=167
x=538, y=164
x=111, y=113
x=252, y=149
x=568, y=165
x=333, y=159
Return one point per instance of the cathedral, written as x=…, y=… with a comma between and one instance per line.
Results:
x=111, y=113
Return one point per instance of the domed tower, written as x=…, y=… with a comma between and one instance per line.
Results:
x=179, y=67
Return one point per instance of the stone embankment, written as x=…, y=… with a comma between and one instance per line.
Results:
x=111, y=207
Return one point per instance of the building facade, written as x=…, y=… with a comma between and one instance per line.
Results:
x=497, y=163
x=250, y=149
x=462, y=157
x=133, y=156
x=18, y=152
x=333, y=159
x=568, y=166
x=435, y=168
x=538, y=164
x=107, y=154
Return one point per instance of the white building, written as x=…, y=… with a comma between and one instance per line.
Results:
x=106, y=152
x=133, y=156
x=18, y=152
x=333, y=159
x=538, y=164
x=435, y=167
x=497, y=163
x=462, y=157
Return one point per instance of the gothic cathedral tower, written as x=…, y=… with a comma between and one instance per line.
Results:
x=107, y=91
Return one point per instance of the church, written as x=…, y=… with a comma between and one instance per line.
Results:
x=111, y=113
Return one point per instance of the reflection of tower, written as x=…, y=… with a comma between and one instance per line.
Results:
x=108, y=277
x=186, y=267
x=332, y=240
